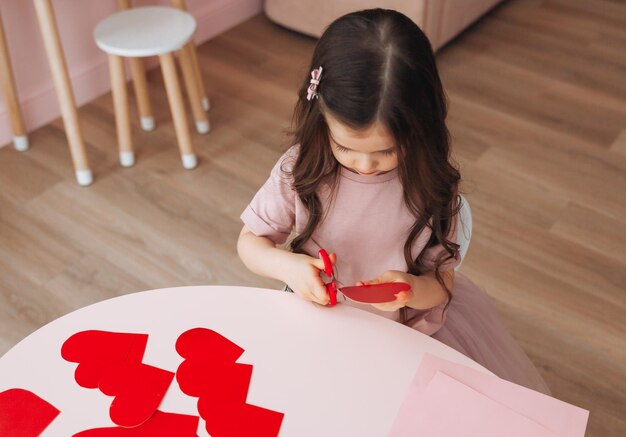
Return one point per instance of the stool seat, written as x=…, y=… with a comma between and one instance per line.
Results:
x=145, y=31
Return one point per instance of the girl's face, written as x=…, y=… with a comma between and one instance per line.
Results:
x=368, y=152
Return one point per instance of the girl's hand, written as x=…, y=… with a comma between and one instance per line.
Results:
x=303, y=277
x=402, y=298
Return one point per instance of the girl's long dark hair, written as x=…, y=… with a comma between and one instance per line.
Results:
x=378, y=66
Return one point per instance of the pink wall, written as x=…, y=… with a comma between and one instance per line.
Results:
x=87, y=65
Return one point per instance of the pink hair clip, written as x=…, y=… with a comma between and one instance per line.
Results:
x=316, y=75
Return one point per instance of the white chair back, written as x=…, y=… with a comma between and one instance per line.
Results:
x=464, y=234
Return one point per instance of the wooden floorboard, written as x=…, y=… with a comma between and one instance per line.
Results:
x=537, y=92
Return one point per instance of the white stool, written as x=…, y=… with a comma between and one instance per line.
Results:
x=464, y=233
x=140, y=83
x=152, y=31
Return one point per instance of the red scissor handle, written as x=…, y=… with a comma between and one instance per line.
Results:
x=331, y=287
x=328, y=266
x=332, y=294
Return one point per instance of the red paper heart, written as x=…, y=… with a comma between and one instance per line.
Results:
x=24, y=414
x=160, y=425
x=96, y=351
x=214, y=379
x=205, y=345
x=138, y=389
x=375, y=293
x=211, y=373
x=233, y=419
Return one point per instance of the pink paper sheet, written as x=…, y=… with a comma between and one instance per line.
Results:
x=560, y=418
x=448, y=408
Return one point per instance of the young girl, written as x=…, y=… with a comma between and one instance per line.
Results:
x=370, y=180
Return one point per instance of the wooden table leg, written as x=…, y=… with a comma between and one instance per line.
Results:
x=177, y=107
x=20, y=140
x=54, y=51
x=180, y=4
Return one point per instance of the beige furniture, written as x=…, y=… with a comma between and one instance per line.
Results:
x=441, y=20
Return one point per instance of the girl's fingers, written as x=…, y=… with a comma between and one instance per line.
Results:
x=402, y=299
x=319, y=292
x=385, y=306
x=333, y=258
x=322, y=299
x=311, y=297
x=403, y=296
x=318, y=263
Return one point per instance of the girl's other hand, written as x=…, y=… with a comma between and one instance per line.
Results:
x=402, y=298
x=303, y=277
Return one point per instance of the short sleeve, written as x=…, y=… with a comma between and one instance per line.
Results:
x=431, y=254
x=271, y=213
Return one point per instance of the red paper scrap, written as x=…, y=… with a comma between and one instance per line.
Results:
x=234, y=419
x=24, y=414
x=138, y=389
x=375, y=293
x=97, y=351
x=161, y=424
x=205, y=344
x=215, y=380
x=211, y=373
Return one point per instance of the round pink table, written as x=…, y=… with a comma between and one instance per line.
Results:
x=332, y=371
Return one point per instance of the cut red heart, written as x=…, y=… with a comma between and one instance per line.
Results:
x=233, y=419
x=214, y=380
x=24, y=414
x=160, y=425
x=96, y=351
x=138, y=389
x=210, y=372
x=205, y=344
x=375, y=293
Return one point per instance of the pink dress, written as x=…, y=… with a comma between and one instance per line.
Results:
x=366, y=224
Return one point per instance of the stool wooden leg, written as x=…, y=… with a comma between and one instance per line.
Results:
x=122, y=113
x=20, y=140
x=60, y=75
x=140, y=82
x=202, y=121
x=122, y=5
x=206, y=105
x=177, y=107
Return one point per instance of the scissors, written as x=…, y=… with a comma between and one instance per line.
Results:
x=370, y=293
x=331, y=286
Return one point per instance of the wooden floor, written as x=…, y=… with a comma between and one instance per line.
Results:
x=538, y=118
